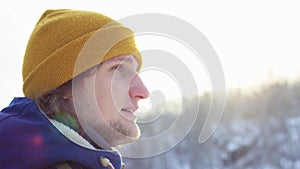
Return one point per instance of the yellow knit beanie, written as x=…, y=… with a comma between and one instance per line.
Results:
x=57, y=49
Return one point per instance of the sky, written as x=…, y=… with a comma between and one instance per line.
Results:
x=256, y=41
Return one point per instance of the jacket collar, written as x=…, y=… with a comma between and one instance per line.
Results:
x=71, y=134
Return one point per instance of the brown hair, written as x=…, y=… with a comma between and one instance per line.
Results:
x=52, y=103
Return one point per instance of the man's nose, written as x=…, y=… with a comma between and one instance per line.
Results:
x=137, y=88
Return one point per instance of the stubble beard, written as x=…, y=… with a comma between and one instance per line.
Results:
x=116, y=133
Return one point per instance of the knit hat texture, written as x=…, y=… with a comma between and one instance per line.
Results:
x=65, y=43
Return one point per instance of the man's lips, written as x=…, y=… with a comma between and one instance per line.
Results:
x=130, y=110
x=128, y=113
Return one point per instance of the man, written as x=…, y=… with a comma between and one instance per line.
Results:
x=81, y=90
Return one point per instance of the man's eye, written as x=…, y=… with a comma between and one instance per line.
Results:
x=115, y=67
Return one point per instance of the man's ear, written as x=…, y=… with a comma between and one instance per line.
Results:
x=67, y=96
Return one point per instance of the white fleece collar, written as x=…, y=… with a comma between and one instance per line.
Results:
x=71, y=134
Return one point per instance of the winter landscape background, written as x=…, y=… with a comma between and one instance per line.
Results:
x=259, y=129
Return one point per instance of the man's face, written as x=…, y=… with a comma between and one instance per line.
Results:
x=109, y=97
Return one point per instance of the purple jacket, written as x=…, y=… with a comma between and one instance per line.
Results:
x=28, y=140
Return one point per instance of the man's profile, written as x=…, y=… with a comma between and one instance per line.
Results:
x=74, y=110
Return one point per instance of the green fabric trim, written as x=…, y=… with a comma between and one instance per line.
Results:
x=67, y=120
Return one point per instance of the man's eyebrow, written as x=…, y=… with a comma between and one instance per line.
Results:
x=123, y=60
x=127, y=59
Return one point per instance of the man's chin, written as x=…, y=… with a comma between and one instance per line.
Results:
x=132, y=134
x=125, y=134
